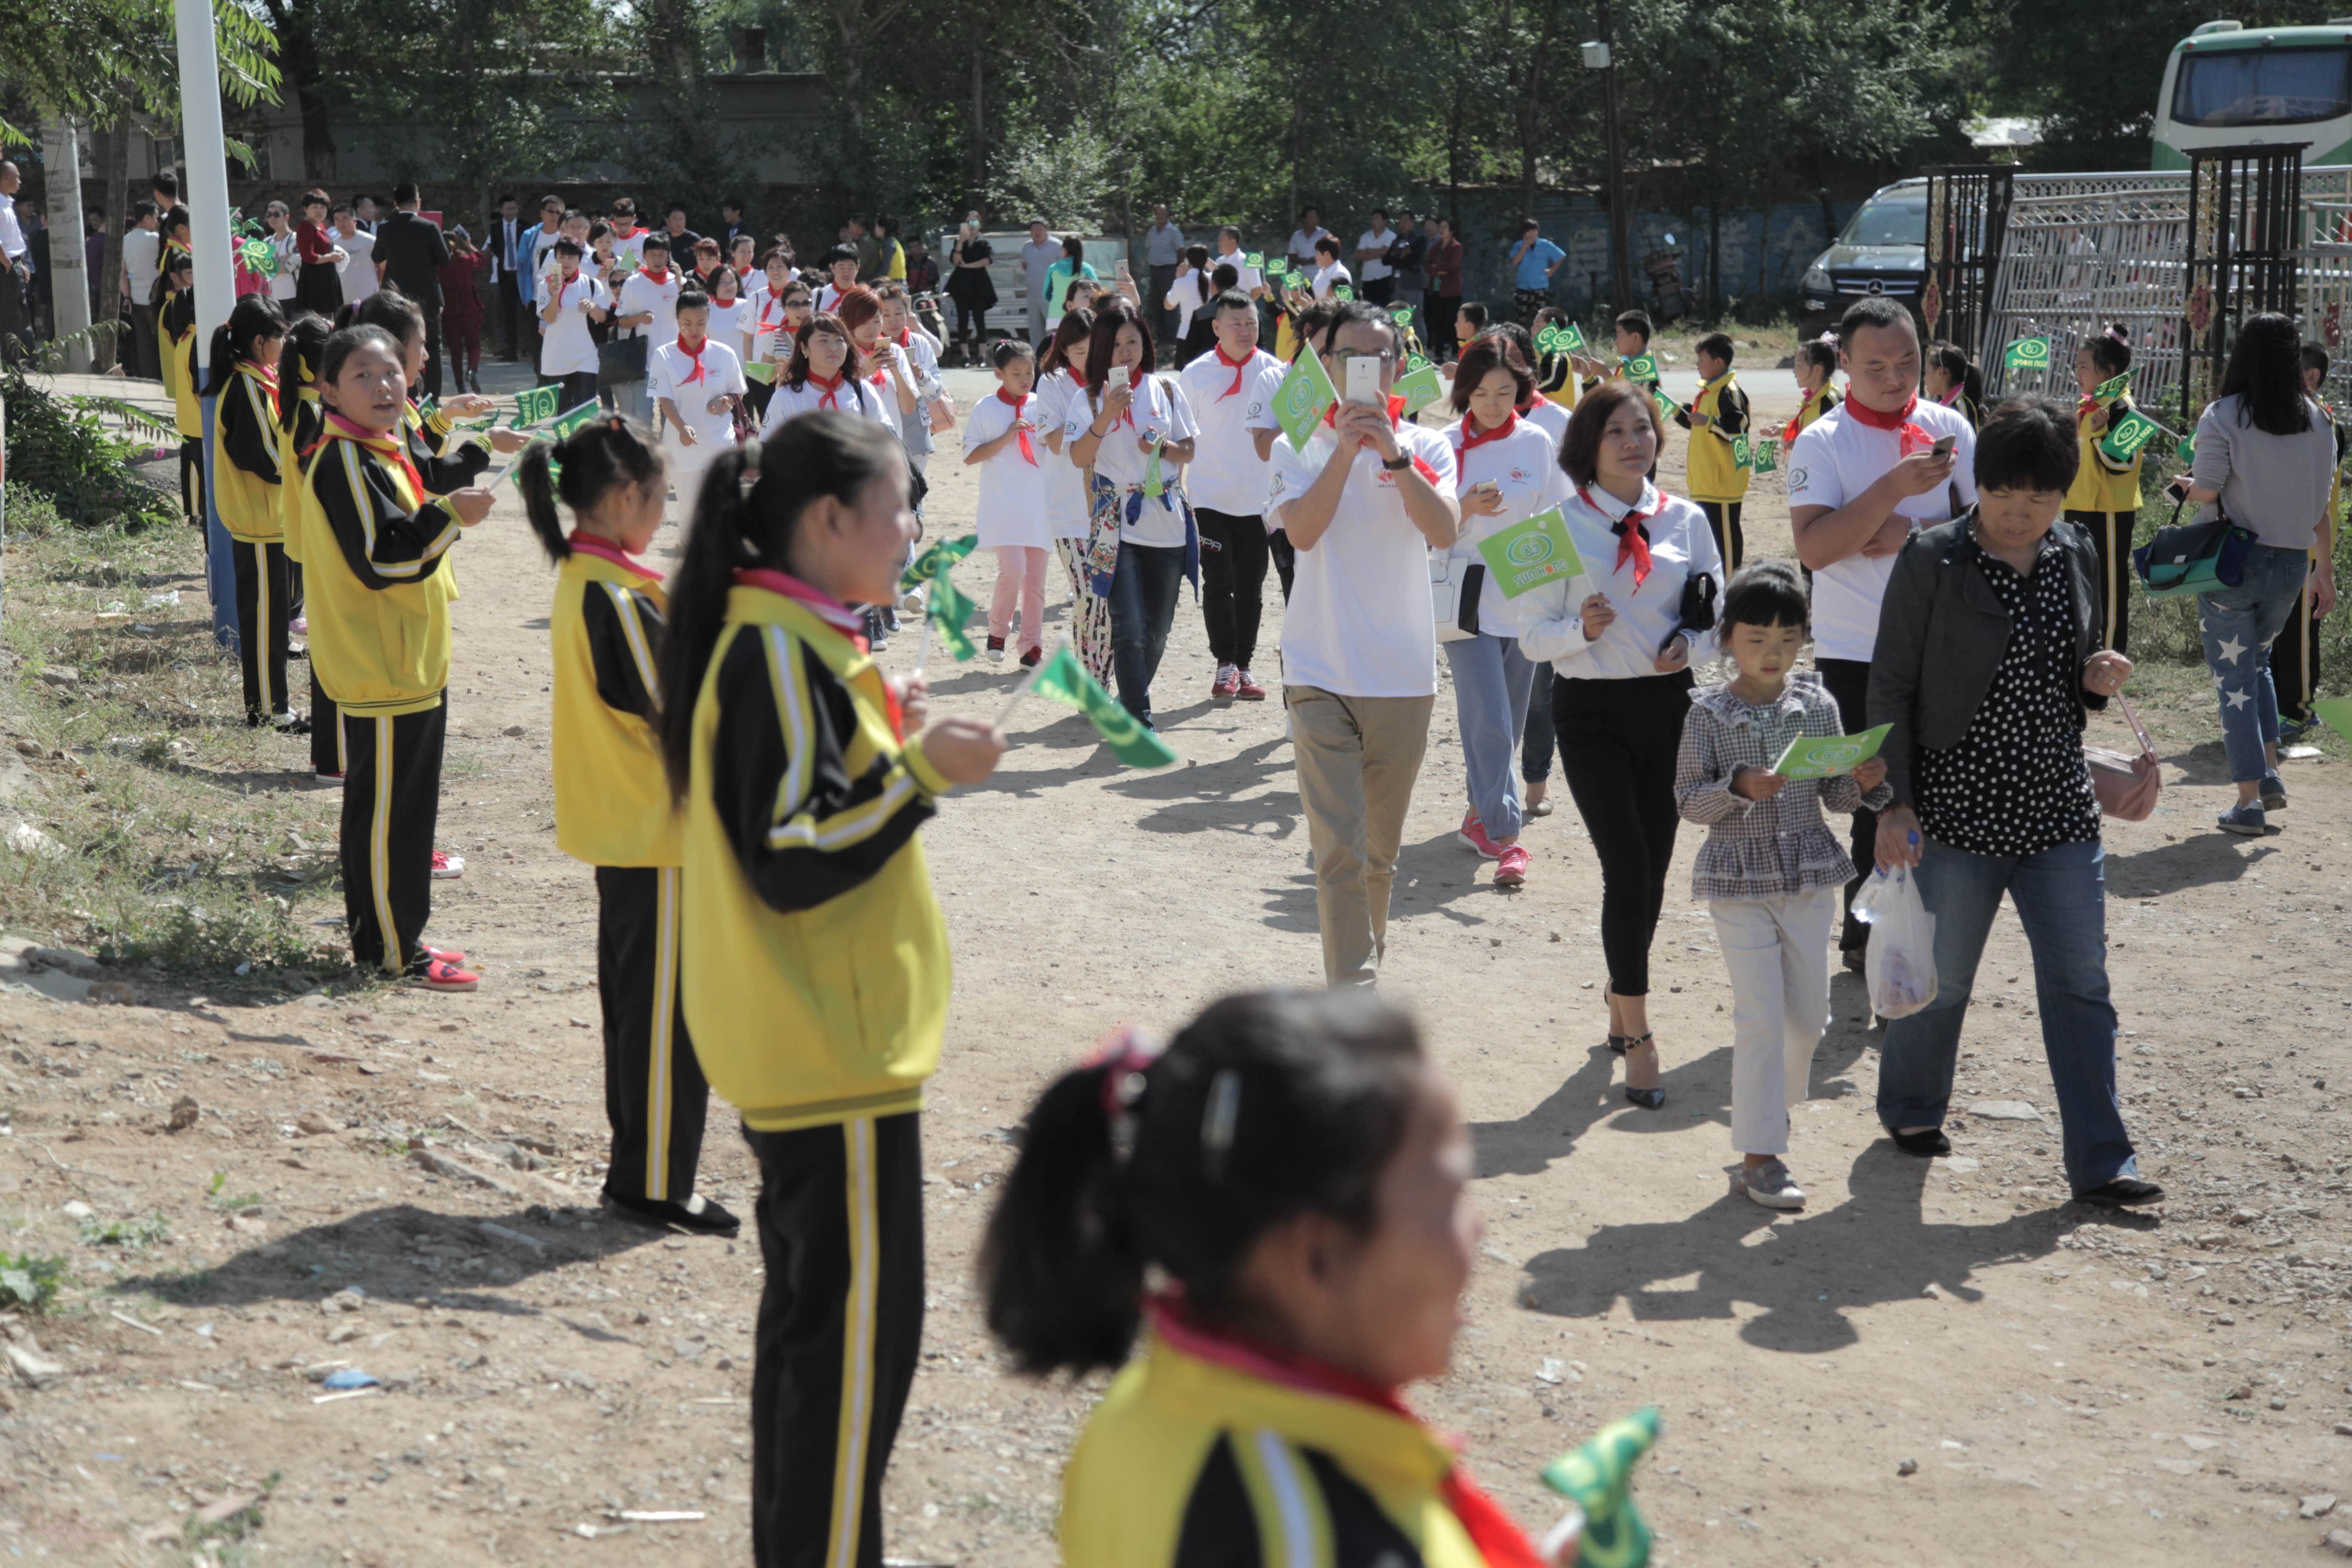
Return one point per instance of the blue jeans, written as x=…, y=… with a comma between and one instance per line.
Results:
x=2239, y=624
x=1143, y=606
x=1491, y=677
x=2061, y=899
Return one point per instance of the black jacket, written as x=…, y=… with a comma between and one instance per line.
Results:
x=1939, y=614
x=413, y=253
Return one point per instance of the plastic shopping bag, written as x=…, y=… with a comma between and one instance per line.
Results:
x=1901, y=963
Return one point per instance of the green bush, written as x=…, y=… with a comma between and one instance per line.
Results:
x=59, y=446
x=28, y=1282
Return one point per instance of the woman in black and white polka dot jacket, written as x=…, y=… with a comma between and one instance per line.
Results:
x=1987, y=661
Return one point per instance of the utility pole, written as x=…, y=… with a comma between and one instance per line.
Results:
x=205, y=155
x=1600, y=56
x=67, y=260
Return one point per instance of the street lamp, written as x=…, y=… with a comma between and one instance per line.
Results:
x=1599, y=56
x=209, y=235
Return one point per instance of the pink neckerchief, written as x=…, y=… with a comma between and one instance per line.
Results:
x=827, y=608
x=587, y=543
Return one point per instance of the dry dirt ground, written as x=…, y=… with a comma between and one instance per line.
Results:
x=1936, y=1362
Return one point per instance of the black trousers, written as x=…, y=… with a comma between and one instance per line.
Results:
x=1233, y=558
x=145, y=361
x=840, y=1216
x=1537, y=736
x=326, y=732
x=1279, y=550
x=578, y=387
x=1440, y=310
x=15, y=313
x=2294, y=661
x=1378, y=290
x=1618, y=742
x=1848, y=680
x=391, y=801
x=192, y=482
x=1163, y=319
x=2112, y=533
x=510, y=314
x=263, y=609
x=1732, y=544
x=655, y=1096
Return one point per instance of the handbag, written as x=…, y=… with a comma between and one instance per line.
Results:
x=1455, y=583
x=2194, y=559
x=620, y=362
x=2126, y=785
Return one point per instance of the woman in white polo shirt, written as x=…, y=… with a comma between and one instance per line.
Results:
x=1225, y=389
x=1621, y=641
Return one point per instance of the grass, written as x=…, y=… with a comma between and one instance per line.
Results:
x=186, y=844
x=29, y=1282
x=130, y=1234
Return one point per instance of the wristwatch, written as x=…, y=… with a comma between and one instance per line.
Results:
x=1399, y=463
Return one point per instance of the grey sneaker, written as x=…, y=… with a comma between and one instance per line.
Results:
x=2273, y=792
x=1770, y=1184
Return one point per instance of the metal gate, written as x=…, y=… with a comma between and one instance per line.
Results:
x=2246, y=230
x=1967, y=220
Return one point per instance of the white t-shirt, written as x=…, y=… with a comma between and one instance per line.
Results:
x=1325, y=277
x=143, y=250
x=1551, y=619
x=1550, y=418
x=849, y=397
x=359, y=266
x=666, y=368
x=1185, y=299
x=882, y=385
x=1302, y=245
x=1012, y=487
x=1158, y=409
x=1835, y=459
x=567, y=349
x=1066, y=482
x=640, y=293
x=629, y=253
x=1358, y=623
x=1247, y=278
x=1376, y=270
x=1227, y=475
x=1525, y=467
x=828, y=299
x=289, y=263
x=730, y=324
x=768, y=338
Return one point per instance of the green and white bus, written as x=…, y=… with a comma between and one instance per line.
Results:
x=2227, y=85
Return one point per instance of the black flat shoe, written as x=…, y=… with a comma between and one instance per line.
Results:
x=697, y=1213
x=1927, y=1145
x=2123, y=1191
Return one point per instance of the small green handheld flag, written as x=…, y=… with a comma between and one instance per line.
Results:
x=1743, y=452
x=1302, y=398
x=2336, y=712
x=535, y=404
x=1765, y=456
x=2186, y=449
x=1826, y=756
x=1066, y=681
x=567, y=422
x=1254, y=259
x=948, y=609
x=2027, y=353
x=2126, y=435
x=1530, y=553
x=2114, y=386
x=1153, y=485
x=759, y=369
x=1666, y=406
x=514, y=473
x=1560, y=338
x=1599, y=1478
x=1641, y=367
x=926, y=566
x=1420, y=387
x=1341, y=291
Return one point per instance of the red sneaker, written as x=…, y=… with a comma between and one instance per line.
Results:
x=439, y=975
x=1511, y=871
x=1471, y=835
x=447, y=868
x=449, y=955
x=1031, y=659
x=1246, y=689
x=996, y=650
x=1225, y=685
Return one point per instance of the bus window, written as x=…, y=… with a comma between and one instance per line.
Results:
x=2263, y=87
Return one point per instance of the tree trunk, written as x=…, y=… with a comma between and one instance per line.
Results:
x=117, y=210
x=68, y=263
x=979, y=136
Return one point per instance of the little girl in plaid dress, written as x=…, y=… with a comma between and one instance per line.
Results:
x=1771, y=871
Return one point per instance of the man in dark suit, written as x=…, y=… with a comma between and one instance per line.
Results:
x=409, y=254
x=507, y=236
x=730, y=211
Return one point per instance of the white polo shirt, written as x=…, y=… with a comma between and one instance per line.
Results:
x=639, y=294
x=1836, y=459
x=567, y=349
x=666, y=368
x=1157, y=409
x=1227, y=475
x=1374, y=270
x=1525, y=467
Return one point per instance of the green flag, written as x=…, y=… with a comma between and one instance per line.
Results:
x=759, y=369
x=1641, y=367
x=2113, y=388
x=567, y=422
x=1420, y=385
x=1305, y=395
x=2336, y=712
x=514, y=473
x=926, y=566
x=949, y=610
x=1743, y=452
x=2027, y=353
x=1341, y=291
x=1277, y=268
x=1764, y=457
x=257, y=257
x=1066, y=680
x=1599, y=1478
x=1153, y=485
x=1560, y=338
x=535, y=404
x=1668, y=408
x=2186, y=449
x=2125, y=436
x=1825, y=757
x=1534, y=551
x=1254, y=259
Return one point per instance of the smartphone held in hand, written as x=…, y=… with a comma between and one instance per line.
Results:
x=1363, y=384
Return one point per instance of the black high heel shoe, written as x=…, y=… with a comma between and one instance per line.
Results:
x=1647, y=1098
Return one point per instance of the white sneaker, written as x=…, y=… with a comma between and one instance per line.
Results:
x=1770, y=1184
x=447, y=868
x=910, y=603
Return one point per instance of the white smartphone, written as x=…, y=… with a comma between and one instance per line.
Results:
x=1364, y=381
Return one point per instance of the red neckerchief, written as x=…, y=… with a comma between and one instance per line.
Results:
x=1472, y=437
x=1501, y=1544
x=831, y=398
x=696, y=355
x=1910, y=437
x=1632, y=532
x=1240, y=368
x=604, y=549
x=1396, y=407
x=383, y=446
x=1016, y=404
x=906, y=337
x=651, y=276
x=268, y=375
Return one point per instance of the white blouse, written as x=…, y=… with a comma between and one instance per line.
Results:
x=1521, y=465
x=1551, y=623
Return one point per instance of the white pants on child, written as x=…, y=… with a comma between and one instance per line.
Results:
x=1020, y=574
x=1778, y=951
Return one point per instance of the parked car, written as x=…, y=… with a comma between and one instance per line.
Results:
x=1882, y=249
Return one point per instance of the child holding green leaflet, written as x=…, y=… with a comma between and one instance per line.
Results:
x=1771, y=871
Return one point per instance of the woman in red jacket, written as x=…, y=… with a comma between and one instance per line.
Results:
x=461, y=308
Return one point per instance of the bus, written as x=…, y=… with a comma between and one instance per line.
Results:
x=2227, y=85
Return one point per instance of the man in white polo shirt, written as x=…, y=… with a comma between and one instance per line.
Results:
x=1862, y=479
x=1227, y=482
x=1363, y=505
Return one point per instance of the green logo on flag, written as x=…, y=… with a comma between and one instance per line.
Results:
x=1420, y=387
x=1066, y=680
x=567, y=422
x=1278, y=268
x=1825, y=757
x=925, y=566
x=1531, y=552
x=1599, y=1478
x=1341, y=291
x=535, y=404
x=1666, y=409
x=2126, y=435
x=1254, y=259
x=1562, y=337
x=2027, y=353
x=1641, y=367
x=1743, y=452
x=1301, y=400
x=1765, y=456
x=2113, y=388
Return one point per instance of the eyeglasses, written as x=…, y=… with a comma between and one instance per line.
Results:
x=1386, y=356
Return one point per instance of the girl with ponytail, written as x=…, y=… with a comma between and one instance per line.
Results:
x=816, y=983
x=1293, y=1175
x=249, y=492
x=175, y=323
x=1953, y=380
x=613, y=808
x=301, y=428
x=2104, y=500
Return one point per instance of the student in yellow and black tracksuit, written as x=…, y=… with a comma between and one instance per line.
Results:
x=816, y=956
x=613, y=806
x=375, y=550
x=2104, y=499
x=1260, y=1426
x=1952, y=379
x=300, y=428
x=249, y=492
x=2295, y=652
x=1816, y=365
x=1715, y=419
x=176, y=326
